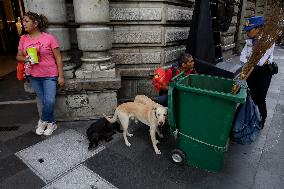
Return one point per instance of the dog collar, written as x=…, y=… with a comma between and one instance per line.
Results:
x=156, y=115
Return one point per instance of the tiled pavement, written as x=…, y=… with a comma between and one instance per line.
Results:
x=62, y=161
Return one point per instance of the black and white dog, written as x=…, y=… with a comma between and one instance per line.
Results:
x=101, y=130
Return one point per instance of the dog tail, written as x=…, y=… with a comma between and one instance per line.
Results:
x=113, y=119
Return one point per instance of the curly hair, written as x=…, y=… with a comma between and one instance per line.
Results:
x=39, y=18
x=185, y=57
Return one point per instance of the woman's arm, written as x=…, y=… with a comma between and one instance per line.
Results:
x=58, y=59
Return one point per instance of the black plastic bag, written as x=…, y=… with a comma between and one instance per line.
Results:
x=273, y=68
x=247, y=123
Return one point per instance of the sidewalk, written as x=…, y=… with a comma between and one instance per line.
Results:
x=8, y=64
x=62, y=161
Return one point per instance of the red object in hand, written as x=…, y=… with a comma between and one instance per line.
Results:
x=20, y=71
x=168, y=76
x=158, y=79
x=162, y=78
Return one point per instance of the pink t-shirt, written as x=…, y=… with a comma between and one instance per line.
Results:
x=44, y=44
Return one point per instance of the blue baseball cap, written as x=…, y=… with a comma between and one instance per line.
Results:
x=253, y=22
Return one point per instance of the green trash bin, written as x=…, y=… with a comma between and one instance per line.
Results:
x=201, y=110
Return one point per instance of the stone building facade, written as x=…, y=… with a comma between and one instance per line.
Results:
x=110, y=48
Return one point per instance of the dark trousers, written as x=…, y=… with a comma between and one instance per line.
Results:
x=258, y=83
x=163, y=100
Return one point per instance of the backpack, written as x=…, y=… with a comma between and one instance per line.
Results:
x=246, y=123
x=174, y=69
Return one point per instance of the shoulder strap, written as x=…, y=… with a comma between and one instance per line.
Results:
x=174, y=69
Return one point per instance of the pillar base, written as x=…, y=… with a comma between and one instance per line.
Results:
x=87, y=99
x=85, y=106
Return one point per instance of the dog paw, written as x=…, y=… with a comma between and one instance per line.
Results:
x=130, y=135
x=157, y=142
x=128, y=144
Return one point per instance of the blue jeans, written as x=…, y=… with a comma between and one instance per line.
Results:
x=45, y=89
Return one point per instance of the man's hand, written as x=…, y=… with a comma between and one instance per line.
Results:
x=165, y=86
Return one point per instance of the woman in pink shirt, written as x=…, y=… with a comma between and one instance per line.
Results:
x=47, y=73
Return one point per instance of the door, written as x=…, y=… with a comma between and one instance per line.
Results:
x=10, y=11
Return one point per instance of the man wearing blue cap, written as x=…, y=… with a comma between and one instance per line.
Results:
x=260, y=78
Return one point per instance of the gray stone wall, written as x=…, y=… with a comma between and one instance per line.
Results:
x=260, y=7
x=147, y=34
x=228, y=38
x=250, y=8
x=94, y=88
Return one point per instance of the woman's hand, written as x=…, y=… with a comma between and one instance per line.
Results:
x=61, y=81
x=58, y=59
x=30, y=60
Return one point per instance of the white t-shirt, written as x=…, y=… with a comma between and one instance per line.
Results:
x=247, y=51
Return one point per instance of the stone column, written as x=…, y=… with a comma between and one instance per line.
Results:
x=94, y=39
x=93, y=90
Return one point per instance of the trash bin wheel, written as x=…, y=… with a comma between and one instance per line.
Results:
x=177, y=156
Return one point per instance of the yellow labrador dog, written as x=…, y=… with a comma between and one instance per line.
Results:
x=153, y=117
x=143, y=99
